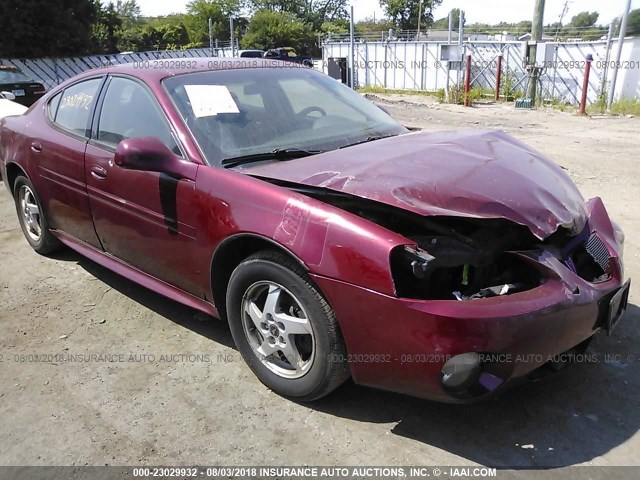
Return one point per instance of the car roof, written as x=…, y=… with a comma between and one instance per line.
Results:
x=154, y=71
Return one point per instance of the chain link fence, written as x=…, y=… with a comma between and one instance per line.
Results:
x=429, y=66
x=53, y=71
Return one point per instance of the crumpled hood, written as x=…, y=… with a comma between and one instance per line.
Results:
x=480, y=174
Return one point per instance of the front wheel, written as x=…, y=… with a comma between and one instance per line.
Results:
x=284, y=328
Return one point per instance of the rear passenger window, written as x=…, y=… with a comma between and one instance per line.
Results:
x=76, y=106
x=53, y=106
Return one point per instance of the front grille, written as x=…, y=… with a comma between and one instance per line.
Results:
x=587, y=256
x=597, y=249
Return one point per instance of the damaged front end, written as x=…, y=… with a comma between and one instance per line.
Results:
x=491, y=258
x=470, y=267
x=480, y=303
x=460, y=258
x=463, y=259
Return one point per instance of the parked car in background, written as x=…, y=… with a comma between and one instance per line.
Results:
x=335, y=242
x=26, y=90
x=8, y=106
x=288, y=54
x=251, y=53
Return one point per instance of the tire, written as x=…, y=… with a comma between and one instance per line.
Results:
x=284, y=328
x=32, y=218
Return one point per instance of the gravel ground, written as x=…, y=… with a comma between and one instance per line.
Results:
x=180, y=394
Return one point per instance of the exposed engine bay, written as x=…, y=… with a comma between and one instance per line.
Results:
x=465, y=259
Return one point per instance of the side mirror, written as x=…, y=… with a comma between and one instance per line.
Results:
x=151, y=155
x=8, y=95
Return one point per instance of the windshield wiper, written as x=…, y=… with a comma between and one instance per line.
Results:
x=277, y=154
x=370, y=139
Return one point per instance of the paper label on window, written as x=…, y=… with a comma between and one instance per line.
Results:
x=210, y=100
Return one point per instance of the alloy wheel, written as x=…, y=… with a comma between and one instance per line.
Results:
x=278, y=329
x=30, y=211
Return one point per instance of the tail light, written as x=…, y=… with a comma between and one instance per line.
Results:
x=40, y=89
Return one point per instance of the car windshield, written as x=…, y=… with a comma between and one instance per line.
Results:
x=11, y=75
x=244, y=112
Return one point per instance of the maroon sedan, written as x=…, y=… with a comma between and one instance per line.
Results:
x=333, y=240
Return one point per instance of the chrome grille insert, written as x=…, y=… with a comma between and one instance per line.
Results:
x=597, y=249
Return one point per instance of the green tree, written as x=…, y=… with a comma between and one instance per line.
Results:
x=584, y=19
x=524, y=26
x=129, y=11
x=220, y=11
x=41, y=28
x=270, y=29
x=117, y=23
x=315, y=13
x=404, y=13
x=443, y=23
x=371, y=25
x=106, y=28
x=633, y=27
x=335, y=26
x=480, y=28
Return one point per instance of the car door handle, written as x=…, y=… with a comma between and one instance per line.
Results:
x=36, y=147
x=98, y=173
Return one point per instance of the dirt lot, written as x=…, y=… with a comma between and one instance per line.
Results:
x=209, y=409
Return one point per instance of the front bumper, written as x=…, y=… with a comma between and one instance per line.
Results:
x=402, y=344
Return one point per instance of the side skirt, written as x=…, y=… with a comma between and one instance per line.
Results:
x=112, y=263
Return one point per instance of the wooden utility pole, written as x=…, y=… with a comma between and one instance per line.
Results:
x=536, y=36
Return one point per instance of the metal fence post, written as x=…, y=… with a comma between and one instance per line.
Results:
x=352, y=46
x=623, y=32
x=607, y=57
x=467, y=83
x=585, y=85
x=498, y=77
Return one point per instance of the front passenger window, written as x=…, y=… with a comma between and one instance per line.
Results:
x=129, y=110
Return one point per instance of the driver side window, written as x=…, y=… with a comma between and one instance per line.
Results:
x=130, y=111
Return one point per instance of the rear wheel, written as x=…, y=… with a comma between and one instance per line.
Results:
x=32, y=218
x=284, y=328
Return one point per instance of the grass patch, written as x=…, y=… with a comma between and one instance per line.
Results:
x=626, y=107
x=559, y=105
x=382, y=90
x=456, y=93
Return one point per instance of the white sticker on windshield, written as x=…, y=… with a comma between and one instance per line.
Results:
x=210, y=100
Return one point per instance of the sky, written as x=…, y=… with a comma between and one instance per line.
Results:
x=485, y=11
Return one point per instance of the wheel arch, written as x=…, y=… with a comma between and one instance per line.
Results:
x=13, y=172
x=230, y=253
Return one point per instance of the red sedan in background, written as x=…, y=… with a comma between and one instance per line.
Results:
x=333, y=240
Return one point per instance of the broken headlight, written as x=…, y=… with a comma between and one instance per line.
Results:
x=441, y=268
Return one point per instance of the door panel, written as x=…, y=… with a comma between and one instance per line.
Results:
x=144, y=218
x=58, y=154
